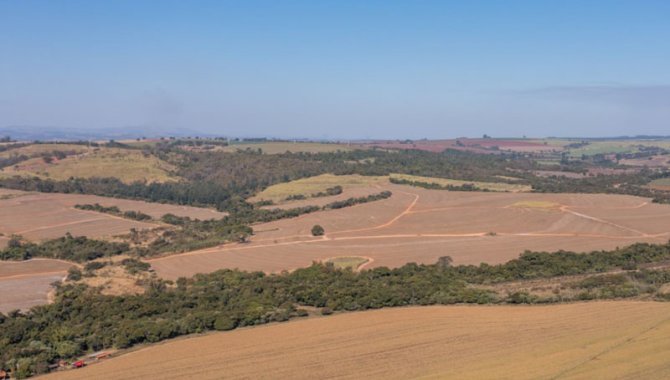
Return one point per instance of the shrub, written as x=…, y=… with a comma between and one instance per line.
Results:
x=74, y=274
x=317, y=230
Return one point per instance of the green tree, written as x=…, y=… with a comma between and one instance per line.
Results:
x=317, y=230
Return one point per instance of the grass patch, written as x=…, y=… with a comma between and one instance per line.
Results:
x=312, y=185
x=126, y=165
x=546, y=205
x=39, y=149
x=491, y=186
x=660, y=184
x=344, y=262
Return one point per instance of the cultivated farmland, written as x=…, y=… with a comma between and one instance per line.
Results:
x=419, y=225
x=27, y=283
x=38, y=216
x=625, y=339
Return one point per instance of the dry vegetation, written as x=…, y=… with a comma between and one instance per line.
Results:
x=490, y=186
x=283, y=147
x=661, y=184
x=308, y=186
x=625, y=339
x=419, y=225
x=39, y=149
x=348, y=262
x=126, y=165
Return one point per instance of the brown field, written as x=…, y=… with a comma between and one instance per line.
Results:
x=283, y=147
x=419, y=225
x=473, y=145
x=660, y=161
x=25, y=284
x=598, y=340
x=662, y=184
x=37, y=216
x=37, y=149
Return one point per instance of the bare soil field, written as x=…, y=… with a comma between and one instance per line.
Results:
x=419, y=225
x=38, y=216
x=660, y=161
x=25, y=284
x=624, y=340
x=660, y=184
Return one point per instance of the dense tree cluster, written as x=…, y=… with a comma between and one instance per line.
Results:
x=135, y=215
x=78, y=249
x=437, y=186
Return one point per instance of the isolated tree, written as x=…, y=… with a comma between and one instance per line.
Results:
x=317, y=230
x=444, y=262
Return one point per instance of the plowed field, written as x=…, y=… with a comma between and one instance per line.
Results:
x=418, y=225
x=598, y=340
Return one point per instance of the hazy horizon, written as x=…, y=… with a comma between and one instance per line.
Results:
x=344, y=70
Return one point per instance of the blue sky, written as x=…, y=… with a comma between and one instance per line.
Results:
x=339, y=69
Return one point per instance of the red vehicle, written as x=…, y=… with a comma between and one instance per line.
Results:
x=79, y=364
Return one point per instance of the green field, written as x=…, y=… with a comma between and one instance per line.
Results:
x=616, y=146
x=312, y=185
x=347, y=262
x=491, y=186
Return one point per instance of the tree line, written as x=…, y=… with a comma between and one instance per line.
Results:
x=228, y=299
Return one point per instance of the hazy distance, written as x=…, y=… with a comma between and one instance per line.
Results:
x=345, y=69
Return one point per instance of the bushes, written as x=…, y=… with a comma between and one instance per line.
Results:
x=317, y=230
x=89, y=321
x=79, y=249
x=134, y=266
x=135, y=215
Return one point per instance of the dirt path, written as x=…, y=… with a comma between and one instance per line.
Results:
x=390, y=222
x=589, y=217
x=60, y=225
x=334, y=236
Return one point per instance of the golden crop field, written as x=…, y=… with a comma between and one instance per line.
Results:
x=596, y=340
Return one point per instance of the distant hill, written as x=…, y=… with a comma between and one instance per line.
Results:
x=42, y=133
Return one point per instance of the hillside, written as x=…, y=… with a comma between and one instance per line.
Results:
x=626, y=340
x=63, y=161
